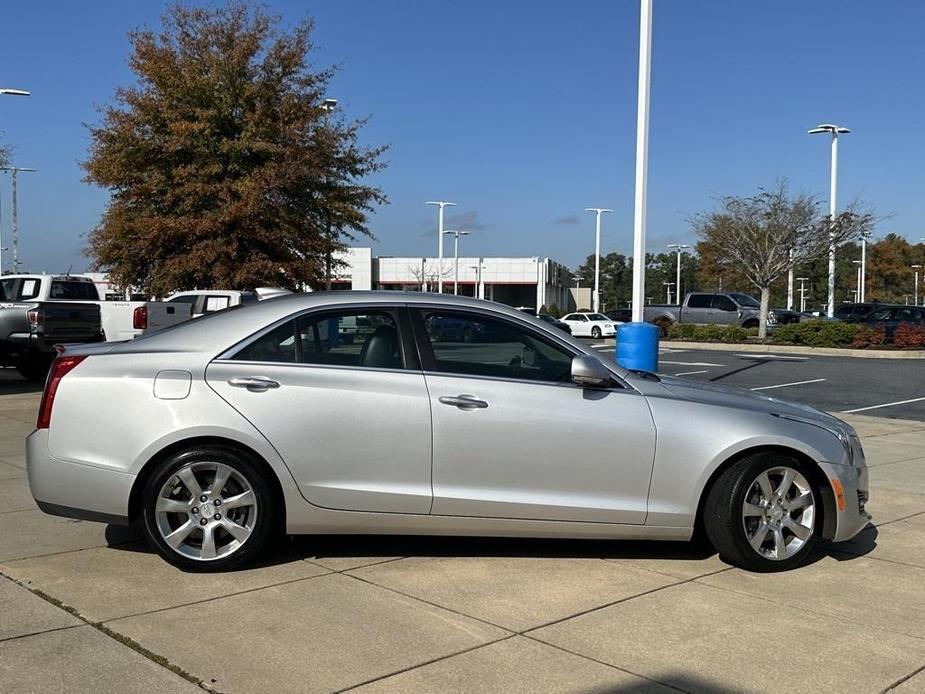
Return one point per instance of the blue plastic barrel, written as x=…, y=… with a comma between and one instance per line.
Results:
x=637, y=346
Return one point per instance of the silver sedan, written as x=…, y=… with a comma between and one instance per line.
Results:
x=391, y=412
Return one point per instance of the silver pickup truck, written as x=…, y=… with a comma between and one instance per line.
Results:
x=31, y=326
x=704, y=308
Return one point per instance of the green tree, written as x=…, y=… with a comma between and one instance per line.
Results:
x=225, y=165
x=766, y=234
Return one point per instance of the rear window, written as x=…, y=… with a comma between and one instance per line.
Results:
x=68, y=290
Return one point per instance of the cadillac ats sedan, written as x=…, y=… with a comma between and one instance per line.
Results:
x=390, y=412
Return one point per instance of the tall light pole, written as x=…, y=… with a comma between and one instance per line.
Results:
x=790, y=281
x=440, y=205
x=678, y=247
x=802, y=281
x=642, y=159
x=6, y=91
x=327, y=106
x=857, y=291
x=596, y=299
x=668, y=286
x=478, y=281
x=456, y=234
x=835, y=131
x=865, y=237
x=14, y=171
x=915, y=293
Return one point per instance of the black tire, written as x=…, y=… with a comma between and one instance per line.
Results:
x=727, y=527
x=34, y=367
x=265, y=509
x=596, y=333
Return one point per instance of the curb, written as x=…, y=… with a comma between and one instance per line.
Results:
x=797, y=349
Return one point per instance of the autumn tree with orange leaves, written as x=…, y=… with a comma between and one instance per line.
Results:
x=225, y=165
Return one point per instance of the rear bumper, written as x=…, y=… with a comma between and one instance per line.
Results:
x=75, y=490
x=850, y=489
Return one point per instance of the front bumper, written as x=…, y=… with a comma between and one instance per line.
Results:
x=75, y=490
x=850, y=490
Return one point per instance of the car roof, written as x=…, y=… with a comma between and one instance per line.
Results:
x=216, y=332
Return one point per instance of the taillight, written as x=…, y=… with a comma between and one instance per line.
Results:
x=60, y=367
x=140, y=318
x=36, y=318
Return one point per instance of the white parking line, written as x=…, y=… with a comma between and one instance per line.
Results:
x=795, y=383
x=772, y=356
x=691, y=373
x=688, y=363
x=886, y=404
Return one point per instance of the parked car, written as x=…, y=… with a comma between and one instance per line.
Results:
x=891, y=317
x=203, y=301
x=704, y=308
x=249, y=422
x=620, y=315
x=595, y=325
x=546, y=318
x=120, y=320
x=32, y=326
x=856, y=312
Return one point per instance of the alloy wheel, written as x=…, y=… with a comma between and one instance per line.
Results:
x=779, y=513
x=206, y=510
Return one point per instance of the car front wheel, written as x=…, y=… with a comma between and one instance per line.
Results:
x=596, y=332
x=208, y=509
x=763, y=513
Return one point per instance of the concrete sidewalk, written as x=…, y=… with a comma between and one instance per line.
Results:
x=86, y=608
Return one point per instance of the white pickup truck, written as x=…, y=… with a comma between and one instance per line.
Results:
x=120, y=320
x=203, y=301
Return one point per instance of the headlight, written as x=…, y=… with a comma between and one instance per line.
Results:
x=849, y=442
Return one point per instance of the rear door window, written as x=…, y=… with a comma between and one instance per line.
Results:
x=699, y=301
x=29, y=288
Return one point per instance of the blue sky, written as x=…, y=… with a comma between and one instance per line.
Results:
x=524, y=112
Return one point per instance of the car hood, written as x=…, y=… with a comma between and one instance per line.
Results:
x=740, y=398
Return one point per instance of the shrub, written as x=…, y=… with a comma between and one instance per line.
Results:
x=869, y=337
x=554, y=311
x=708, y=333
x=909, y=336
x=817, y=333
x=543, y=309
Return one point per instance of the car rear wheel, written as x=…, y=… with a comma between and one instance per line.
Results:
x=596, y=333
x=208, y=509
x=763, y=513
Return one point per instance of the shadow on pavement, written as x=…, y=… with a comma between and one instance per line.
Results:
x=298, y=547
x=11, y=383
x=683, y=681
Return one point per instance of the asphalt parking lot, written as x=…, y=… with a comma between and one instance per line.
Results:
x=893, y=388
x=86, y=607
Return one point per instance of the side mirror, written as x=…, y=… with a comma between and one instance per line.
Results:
x=589, y=372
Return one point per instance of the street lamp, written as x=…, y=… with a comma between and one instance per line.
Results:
x=679, y=247
x=6, y=91
x=857, y=291
x=440, y=205
x=835, y=131
x=642, y=159
x=865, y=237
x=327, y=106
x=802, y=281
x=15, y=170
x=456, y=234
x=596, y=299
x=668, y=286
x=478, y=281
x=915, y=293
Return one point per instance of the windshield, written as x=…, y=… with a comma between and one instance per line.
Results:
x=745, y=300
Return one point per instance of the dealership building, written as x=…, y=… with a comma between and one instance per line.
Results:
x=531, y=281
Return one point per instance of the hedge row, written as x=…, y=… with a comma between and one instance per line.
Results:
x=816, y=333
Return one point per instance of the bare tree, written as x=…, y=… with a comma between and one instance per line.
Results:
x=764, y=235
x=427, y=274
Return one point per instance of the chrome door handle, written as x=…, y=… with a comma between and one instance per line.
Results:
x=256, y=384
x=464, y=402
